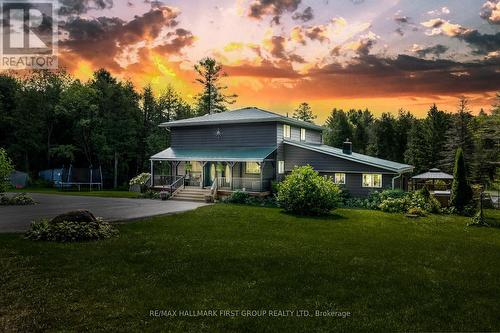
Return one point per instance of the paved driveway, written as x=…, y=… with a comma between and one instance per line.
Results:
x=18, y=218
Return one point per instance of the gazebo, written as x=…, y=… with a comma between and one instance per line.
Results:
x=434, y=180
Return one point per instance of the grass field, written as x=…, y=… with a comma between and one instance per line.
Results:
x=83, y=192
x=390, y=272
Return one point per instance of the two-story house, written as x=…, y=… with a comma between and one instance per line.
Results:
x=247, y=149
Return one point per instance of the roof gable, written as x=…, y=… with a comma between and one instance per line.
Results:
x=245, y=115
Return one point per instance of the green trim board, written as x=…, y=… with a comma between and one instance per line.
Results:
x=259, y=154
x=354, y=157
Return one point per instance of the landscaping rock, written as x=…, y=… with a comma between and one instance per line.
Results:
x=79, y=216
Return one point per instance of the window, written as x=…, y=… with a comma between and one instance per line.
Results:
x=339, y=178
x=372, y=180
x=252, y=167
x=287, y=131
x=195, y=166
x=281, y=167
x=302, y=134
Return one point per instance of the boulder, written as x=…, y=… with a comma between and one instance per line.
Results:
x=79, y=216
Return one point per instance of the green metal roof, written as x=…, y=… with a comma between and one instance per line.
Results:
x=245, y=115
x=355, y=157
x=216, y=155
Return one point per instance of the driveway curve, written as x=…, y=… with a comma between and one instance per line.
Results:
x=18, y=218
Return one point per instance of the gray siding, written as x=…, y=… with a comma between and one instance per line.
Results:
x=234, y=135
x=295, y=156
x=353, y=184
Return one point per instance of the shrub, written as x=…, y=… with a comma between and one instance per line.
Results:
x=139, y=179
x=238, y=197
x=305, y=192
x=150, y=194
x=4, y=200
x=21, y=199
x=478, y=220
x=6, y=169
x=67, y=231
x=461, y=192
x=394, y=205
x=416, y=211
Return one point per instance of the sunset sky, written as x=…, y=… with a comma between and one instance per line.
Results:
x=380, y=54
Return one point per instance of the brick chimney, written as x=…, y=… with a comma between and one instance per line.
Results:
x=347, y=147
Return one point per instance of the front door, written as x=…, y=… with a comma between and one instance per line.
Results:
x=210, y=173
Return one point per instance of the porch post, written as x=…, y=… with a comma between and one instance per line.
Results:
x=202, y=173
x=261, y=174
x=152, y=174
x=231, y=165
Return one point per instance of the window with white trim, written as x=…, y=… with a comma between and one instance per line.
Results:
x=339, y=178
x=252, y=167
x=372, y=180
x=302, y=134
x=281, y=167
x=287, y=131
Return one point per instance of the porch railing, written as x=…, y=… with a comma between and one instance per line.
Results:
x=193, y=178
x=168, y=183
x=243, y=184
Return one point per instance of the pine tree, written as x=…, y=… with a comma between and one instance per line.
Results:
x=417, y=152
x=212, y=99
x=437, y=124
x=304, y=113
x=460, y=135
x=362, y=122
x=404, y=124
x=461, y=192
x=339, y=128
x=384, y=137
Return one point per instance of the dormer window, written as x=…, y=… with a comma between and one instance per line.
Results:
x=287, y=131
x=302, y=134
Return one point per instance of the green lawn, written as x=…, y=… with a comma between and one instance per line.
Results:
x=83, y=192
x=392, y=273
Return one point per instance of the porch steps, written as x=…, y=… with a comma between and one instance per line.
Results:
x=191, y=194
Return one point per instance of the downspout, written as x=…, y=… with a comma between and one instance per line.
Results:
x=394, y=179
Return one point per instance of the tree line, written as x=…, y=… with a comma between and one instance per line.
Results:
x=49, y=119
x=425, y=143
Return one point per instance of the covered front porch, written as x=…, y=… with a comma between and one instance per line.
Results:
x=249, y=170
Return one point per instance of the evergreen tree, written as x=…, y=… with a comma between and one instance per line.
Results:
x=304, y=112
x=338, y=128
x=384, y=137
x=417, y=152
x=404, y=124
x=460, y=136
x=362, y=122
x=212, y=99
x=487, y=144
x=461, y=192
x=437, y=124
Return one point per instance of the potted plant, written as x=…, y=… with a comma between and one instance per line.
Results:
x=164, y=195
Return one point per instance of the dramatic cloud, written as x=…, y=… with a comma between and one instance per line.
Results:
x=439, y=26
x=103, y=40
x=260, y=8
x=436, y=50
x=482, y=43
x=68, y=7
x=305, y=16
x=375, y=76
x=491, y=11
